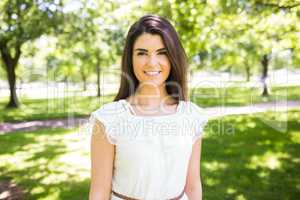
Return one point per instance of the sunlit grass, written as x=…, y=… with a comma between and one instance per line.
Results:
x=270, y=160
x=251, y=161
x=238, y=96
x=39, y=109
x=254, y=160
x=48, y=164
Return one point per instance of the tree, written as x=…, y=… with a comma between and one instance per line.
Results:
x=231, y=33
x=92, y=38
x=22, y=21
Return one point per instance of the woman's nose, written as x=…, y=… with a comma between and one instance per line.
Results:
x=153, y=61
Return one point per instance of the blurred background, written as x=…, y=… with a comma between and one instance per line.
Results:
x=60, y=60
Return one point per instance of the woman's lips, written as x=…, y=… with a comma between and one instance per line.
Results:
x=152, y=73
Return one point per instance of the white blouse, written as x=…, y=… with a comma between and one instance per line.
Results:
x=152, y=152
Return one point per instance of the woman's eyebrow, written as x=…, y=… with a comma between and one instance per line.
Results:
x=161, y=49
x=140, y=49
x=145, y=50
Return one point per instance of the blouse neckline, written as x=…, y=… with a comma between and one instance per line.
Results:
x=132, y=113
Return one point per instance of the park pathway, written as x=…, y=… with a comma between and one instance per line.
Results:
x=212, y=112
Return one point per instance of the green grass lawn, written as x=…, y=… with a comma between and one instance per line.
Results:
x=243, y=158
x=47, y=164
x=238, y=96
x=40, y=109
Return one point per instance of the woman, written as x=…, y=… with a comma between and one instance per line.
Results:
x=146, y=144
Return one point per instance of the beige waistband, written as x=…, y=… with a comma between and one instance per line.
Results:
x=130, y=198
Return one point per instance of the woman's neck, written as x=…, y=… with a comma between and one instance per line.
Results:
x=151, y=97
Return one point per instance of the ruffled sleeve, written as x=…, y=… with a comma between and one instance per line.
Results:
x=108, y=116
x=94, y=117
x=200, y=119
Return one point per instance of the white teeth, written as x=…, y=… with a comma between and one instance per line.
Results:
x=152, y=73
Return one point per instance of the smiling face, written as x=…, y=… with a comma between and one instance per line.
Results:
x=150, y=61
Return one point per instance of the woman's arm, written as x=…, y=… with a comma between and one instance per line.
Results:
x=193, y=187
x=102, y=158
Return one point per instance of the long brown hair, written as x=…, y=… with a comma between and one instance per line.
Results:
x=176, y=83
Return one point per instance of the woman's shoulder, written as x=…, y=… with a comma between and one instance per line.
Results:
x=195, y=112
x=198, y=117
x=110, y=109
x=192, y=108
x=108, y=114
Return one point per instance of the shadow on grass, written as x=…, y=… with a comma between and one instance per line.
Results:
x=34, y=188
x=39, y=163
x=243, y=158
x=246, y=159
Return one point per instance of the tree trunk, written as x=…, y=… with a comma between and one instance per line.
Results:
x=248, y=73
x=10, y=66
x=84, y=84
x=11, y=76
x=83, y=77
x=98, y=77
x=265, y=65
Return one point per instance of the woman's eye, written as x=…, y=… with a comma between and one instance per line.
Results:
x=141, y=53
x=162, y=53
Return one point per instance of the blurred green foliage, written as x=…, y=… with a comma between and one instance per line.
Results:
x=233, y=33
x=73, y=41
x=23, y=21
